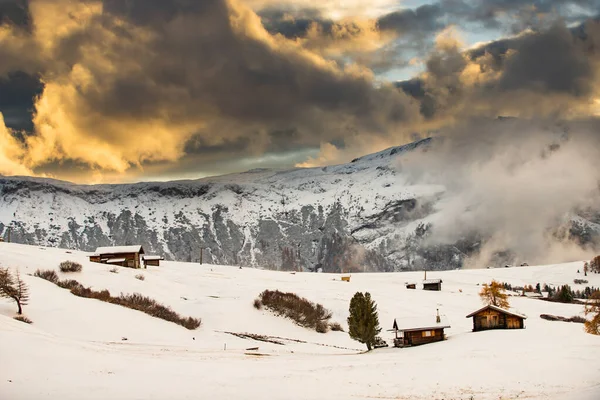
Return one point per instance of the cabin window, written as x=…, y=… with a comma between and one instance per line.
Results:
x=426, y=333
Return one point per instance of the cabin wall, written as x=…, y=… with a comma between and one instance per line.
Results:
x=155, y=263
x=492, y=319
x=416, y=338
x=432, y=286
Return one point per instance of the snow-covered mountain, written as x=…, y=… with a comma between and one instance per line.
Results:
x=364, y=215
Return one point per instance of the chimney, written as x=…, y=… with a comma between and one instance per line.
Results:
x=437, y=318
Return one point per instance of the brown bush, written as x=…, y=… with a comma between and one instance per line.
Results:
x=140, y=277
x=322, y=327
x=114, y=270
x=304, y=312
x=257, y=304
x=68, y=283
x=23, y=318
x=70, y=266
x=336, y=327
x=48, y=274
x=142, y=303
x=134, y=301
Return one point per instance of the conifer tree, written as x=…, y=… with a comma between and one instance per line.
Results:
x=363, y=322
x=564, y=294
x=586, y=268
x=493, y=294
x=14, y=288
x=593, y=308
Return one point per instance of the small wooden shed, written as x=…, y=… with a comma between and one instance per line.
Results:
x=415, y=332
x=493, y=317
x=411, y=285
x=152, y=260
x=125, y=256
x=432, y=284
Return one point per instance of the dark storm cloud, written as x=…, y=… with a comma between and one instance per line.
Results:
x=293, y=23
x=556, y=65
x=17, y=93
x=212, y=66
x=150, y=75
x=15, y=12
x=421, y=20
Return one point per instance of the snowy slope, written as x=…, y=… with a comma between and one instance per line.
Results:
x=74, y=347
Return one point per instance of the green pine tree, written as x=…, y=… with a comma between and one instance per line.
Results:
x=363, y=322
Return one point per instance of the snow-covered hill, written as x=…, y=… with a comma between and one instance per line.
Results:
x=364, y=215
x=74, y=348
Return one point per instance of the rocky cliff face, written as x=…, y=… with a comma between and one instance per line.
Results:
x=361, y=216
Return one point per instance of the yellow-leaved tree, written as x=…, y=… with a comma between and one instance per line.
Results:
x=493, y=294
x=593, y=308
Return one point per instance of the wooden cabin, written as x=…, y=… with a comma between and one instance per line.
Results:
x=492, y=317
x=411, y=285
x=432, y=284
x=124, y=256
x=413, y=332
x=151, y=260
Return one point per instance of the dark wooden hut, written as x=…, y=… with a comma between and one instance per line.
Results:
x=414, y=332
x=432, y=284
x=492, y=317
x=125, y=256
x=151, y=260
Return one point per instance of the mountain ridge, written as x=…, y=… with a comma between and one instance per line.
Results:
x=361, y=216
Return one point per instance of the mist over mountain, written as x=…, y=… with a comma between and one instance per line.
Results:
x=524, y=193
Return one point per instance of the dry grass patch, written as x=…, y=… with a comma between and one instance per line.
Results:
x=302, y=311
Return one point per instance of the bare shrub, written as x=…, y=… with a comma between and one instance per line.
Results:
x=68, y=283
x=114, y=270
x=140, y=277
x=134, y=301
x=48, y=274
x=304, y=312
x=70, y=266
x=23, y=318
x=322, y=327
x=139, y=302
x=336, y=327
x=257, y=304
x=580, y=281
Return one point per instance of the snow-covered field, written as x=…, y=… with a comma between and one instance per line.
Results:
x=74, y=348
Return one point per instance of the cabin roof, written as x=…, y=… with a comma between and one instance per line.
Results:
x=420, y=324
x=151, y=258
x=115, y=260
x=502, y=310
x=119, y=250
x=430, y=281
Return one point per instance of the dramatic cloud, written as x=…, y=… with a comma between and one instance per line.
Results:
x=127, y=83
x=515, y=183
x=141, y=84
x=11, y=152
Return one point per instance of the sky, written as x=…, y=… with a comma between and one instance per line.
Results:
x=119, y=91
